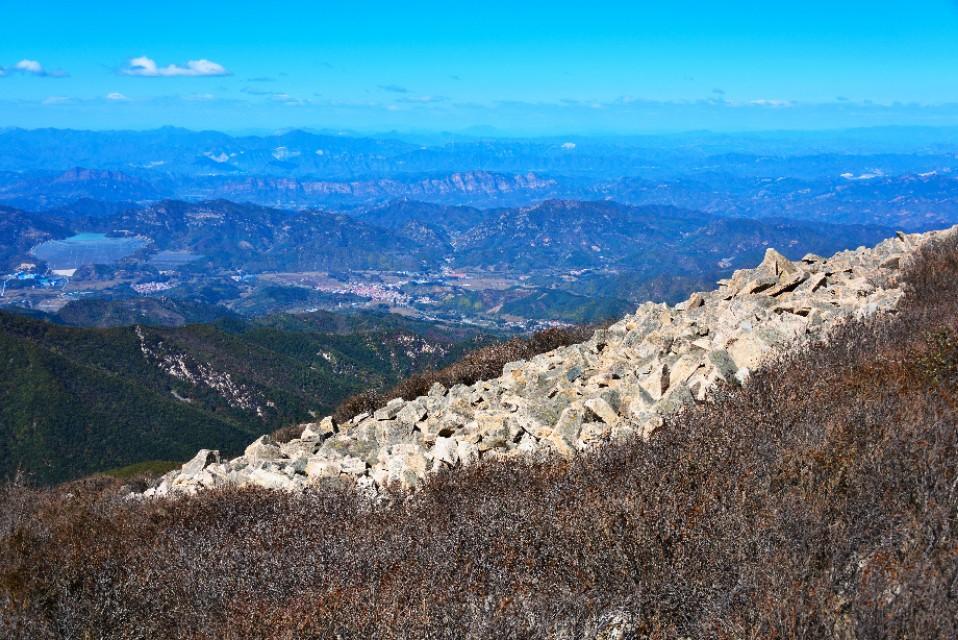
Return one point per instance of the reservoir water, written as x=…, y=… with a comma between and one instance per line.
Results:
x=86, y=248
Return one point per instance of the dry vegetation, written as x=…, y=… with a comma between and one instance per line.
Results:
x=819, y=502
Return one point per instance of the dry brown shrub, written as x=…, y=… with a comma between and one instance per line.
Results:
x=287, y=433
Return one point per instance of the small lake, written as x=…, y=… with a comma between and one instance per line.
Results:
x=86, y=248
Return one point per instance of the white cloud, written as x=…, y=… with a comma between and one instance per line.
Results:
x=200, y=97
x=34, y=68
x=147, y=68
x=568, y=146
x=56, y=100
x=30, y=66
x=116, y=96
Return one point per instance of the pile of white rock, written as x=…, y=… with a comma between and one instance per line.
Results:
x=619, y=382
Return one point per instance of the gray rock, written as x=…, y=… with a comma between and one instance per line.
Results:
x=273, y=478
x=445, y=451
x=263, y=449
x=391, y=410
x=776, y=263
x=602, y=410
x=412, y=413
x=324, y=467
x=200, y=461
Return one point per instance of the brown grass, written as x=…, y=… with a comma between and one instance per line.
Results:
x=818, y=502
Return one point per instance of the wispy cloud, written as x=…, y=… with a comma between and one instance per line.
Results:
x=393, y=88
x=199, y=97
x=53, y=100
x=423, y=99
x=116, y=96
x=147, y=68
x=771, y=102
x=276, y=96
x=34, y=68
x=285, y=98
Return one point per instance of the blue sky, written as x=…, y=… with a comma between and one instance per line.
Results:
x=521, y=68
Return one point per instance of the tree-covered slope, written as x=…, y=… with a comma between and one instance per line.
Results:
x=75, y=401
x=60, y=417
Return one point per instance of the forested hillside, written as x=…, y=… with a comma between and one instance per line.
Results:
x=74, y=401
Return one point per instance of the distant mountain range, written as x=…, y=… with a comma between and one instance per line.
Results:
x=558, y=260
x=555, y=234
x=909, y=201
x=349, y=156
x=841, y=177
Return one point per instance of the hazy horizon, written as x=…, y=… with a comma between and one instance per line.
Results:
x=479, y=132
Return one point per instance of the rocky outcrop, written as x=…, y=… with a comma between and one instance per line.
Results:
x=620, y=382
x=182, y=366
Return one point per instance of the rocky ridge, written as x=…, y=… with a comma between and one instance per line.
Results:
x=622, y=381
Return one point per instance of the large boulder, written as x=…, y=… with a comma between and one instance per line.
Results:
x=263, y=449
x=200, y=461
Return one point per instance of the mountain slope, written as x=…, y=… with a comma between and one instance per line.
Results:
x=21, y=230
x=818, y=501
x=48, y=189
x=60, y=418
x=73, y=401
x=648, y=240
x=242, y=236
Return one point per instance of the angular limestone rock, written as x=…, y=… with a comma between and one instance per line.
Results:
x=263, y=449
x=776, y=263
x=200, y=461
